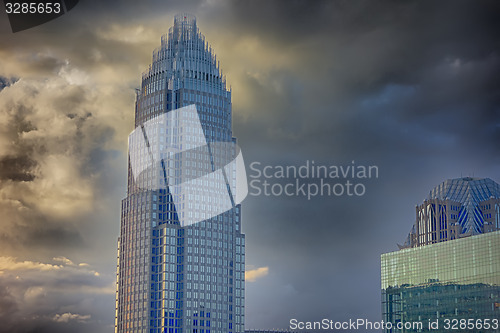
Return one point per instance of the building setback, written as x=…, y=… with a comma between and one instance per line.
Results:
x=448, y=272
x=181, y=252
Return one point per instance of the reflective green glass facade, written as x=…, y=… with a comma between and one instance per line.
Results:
x=453, y=282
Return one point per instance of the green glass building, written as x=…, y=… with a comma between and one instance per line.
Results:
x=453, y=285
x=446, y=276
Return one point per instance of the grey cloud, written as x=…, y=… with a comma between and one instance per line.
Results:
x=61, y=132
x=38, y=297
x=43, y=63
x=8, y=305
x=25, y=229
x=52, y=134
x=363, y=59
x=5, y=81
x=16, y=168
x=382, y=89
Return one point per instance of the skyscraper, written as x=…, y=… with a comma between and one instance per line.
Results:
x=448, y=272
x=454, y=209
x=181, y=251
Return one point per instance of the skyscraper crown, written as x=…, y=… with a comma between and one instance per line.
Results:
x=466, y=190
x=470, y=193
x=456, y=208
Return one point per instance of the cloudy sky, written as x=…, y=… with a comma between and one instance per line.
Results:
x=412, y=87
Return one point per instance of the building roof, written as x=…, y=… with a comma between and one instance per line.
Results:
x=469, y=192
x=465, y=189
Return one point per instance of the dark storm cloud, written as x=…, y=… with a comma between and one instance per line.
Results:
x=408, y=86
x=62, y=130
x=25, y=228
x=362, y=56
x=8, y=305
x=39, y=297
x=16, y=168
x=5, y=82
x=50, y=150
x=43, y=64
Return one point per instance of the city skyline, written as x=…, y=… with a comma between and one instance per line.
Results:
x=407, y=87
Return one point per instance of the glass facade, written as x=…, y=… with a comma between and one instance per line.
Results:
x=456, y=283
x=181, y=252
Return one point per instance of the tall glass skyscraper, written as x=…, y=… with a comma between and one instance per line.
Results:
x=181, y=251
x=447, y=276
